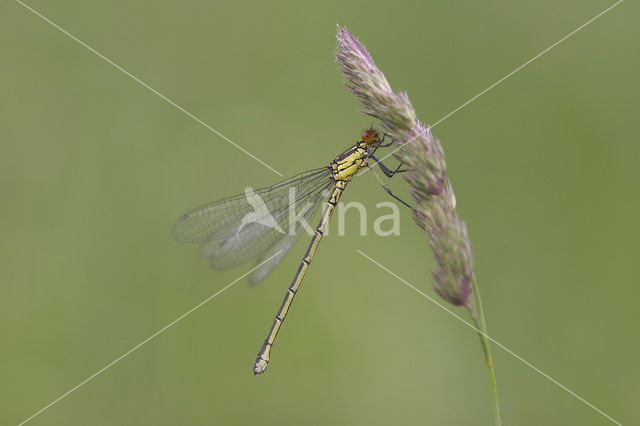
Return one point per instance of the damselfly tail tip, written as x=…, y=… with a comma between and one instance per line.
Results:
x=260, y=366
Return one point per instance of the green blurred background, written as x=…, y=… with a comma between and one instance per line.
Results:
x=94, y=169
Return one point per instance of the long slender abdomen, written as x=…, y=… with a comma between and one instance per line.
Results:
x=262, y=360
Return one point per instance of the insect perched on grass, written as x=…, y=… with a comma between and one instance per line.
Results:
x=267, y=222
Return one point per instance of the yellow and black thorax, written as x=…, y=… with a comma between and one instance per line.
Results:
x=345, y=165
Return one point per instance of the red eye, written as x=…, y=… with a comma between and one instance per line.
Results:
x=367, y=135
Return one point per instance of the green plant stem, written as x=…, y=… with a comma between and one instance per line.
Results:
x=477, y=313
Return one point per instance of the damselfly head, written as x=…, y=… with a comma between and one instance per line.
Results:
x=370, y=137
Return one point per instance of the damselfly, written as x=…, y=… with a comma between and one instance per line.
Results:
x=266, y=223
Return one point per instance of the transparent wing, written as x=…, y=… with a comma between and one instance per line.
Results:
x=247, y=242
x=218, y=219
x=237, y=229
x=280, y=250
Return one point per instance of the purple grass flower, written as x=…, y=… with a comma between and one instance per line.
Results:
x=435, y=209
x=423, y=155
